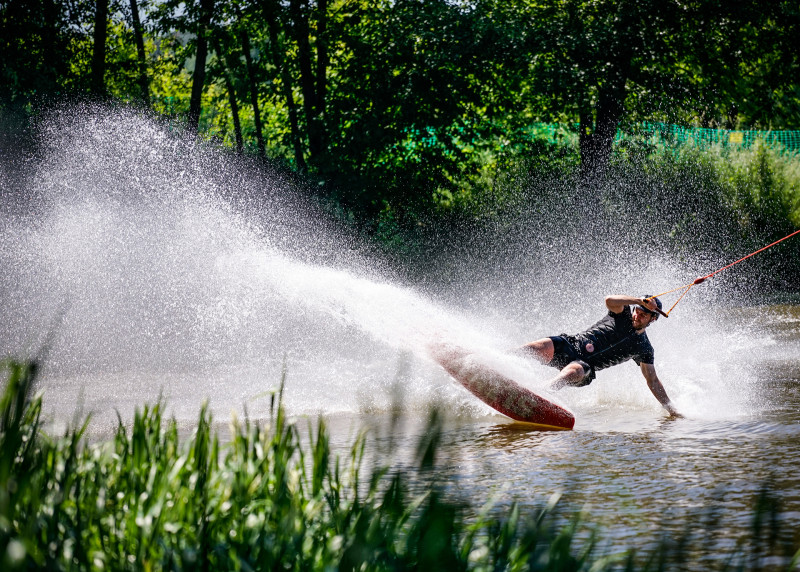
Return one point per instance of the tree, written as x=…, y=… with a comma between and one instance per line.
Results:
x=270, y=10
x=136, y=23
x=36, y=42
x=416, y=91
x=591, y=57
x=403, y=100
x=775, y=66
x=199, y=75
x=225, y=64
x=99, y=47
x=252, y=82
x=605, y=63
x=313, y=79
x=746, y=63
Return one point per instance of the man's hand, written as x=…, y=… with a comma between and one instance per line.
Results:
x=673, y=413
x=649, y=303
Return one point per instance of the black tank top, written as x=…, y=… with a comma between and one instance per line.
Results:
x=615, y=341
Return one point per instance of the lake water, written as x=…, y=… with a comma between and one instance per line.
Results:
x=639, y=475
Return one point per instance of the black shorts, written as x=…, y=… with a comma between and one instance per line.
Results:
x=564, y=353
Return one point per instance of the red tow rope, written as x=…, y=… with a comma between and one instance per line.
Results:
x=688, y=287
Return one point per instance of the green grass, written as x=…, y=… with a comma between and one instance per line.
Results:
x=151, y=499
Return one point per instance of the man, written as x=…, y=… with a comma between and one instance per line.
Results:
x=618, y=337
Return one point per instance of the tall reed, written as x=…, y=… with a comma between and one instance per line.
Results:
x=150, y=499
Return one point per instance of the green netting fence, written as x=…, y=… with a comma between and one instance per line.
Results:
x=676, y=135
x=788, y=141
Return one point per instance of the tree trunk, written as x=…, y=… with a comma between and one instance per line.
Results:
x=237, y=126
x=585, y=136
x=286, y=80
x=253, y=89
x=226, y=74
x=199, y=75
x=596, y=146
x=299, y=13
x=322, y=72
x=55, y=59
x=144, y=84
x=99, y=47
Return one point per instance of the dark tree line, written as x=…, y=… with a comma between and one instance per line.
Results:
x=400, y=99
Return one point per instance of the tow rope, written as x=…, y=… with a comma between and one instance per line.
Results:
x=702, y=279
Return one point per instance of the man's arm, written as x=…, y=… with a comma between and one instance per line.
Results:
x=649, y=373
x=617, y=302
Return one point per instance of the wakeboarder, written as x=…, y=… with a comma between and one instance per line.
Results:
x=618, y=337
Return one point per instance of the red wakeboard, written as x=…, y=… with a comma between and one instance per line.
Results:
x=500, y=392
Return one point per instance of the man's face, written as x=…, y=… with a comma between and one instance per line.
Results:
x=642, y=318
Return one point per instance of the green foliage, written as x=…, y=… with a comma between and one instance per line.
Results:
x=418, y=106
x=753, y=191
x=763, y=189
x=39, y=42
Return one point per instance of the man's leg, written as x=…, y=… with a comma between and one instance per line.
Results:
x=542, y=350
x=576, y=373
x=573, y=374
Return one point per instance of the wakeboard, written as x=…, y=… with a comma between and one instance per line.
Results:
x=499, y=391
